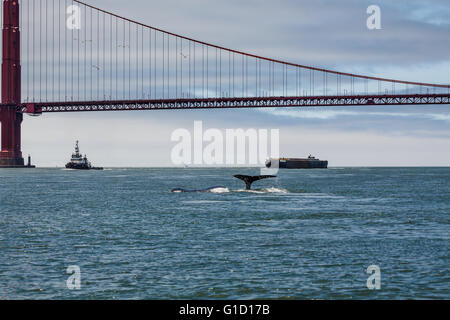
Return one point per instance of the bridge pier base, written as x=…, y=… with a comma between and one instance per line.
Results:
x=11, y=120
x=11, y=154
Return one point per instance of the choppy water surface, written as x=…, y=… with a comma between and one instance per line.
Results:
x=306, y=234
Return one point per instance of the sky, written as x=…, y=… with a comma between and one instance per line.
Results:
x=413, y=44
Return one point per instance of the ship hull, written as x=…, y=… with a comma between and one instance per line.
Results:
x=299, y=163
x=81, y=167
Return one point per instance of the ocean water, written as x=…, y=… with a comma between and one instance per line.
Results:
x=308, y=234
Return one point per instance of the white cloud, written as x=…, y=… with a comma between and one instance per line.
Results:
x=331, y=114
x=438, y=116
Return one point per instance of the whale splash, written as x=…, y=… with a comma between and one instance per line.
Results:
x=215, y=189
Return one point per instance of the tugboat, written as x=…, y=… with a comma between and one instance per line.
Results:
x=298, y=163
x=79, y=162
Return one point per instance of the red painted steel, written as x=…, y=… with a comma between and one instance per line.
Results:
x=230, y=103
x=11, y=120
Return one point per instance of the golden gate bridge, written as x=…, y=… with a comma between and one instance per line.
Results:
x=111, y=63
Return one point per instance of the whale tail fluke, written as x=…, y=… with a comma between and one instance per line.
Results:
x=250, y=179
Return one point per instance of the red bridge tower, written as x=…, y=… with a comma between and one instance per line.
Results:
x=11, y=120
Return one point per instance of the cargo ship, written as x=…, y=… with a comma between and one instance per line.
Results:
x=79, y=162
x=297, y=163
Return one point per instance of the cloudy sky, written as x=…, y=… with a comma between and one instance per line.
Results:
x=413, y=44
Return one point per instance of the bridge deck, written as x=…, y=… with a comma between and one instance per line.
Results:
x=224, y=103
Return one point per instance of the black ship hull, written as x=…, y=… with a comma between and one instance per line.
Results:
x=76, y=166
x=298, y=163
